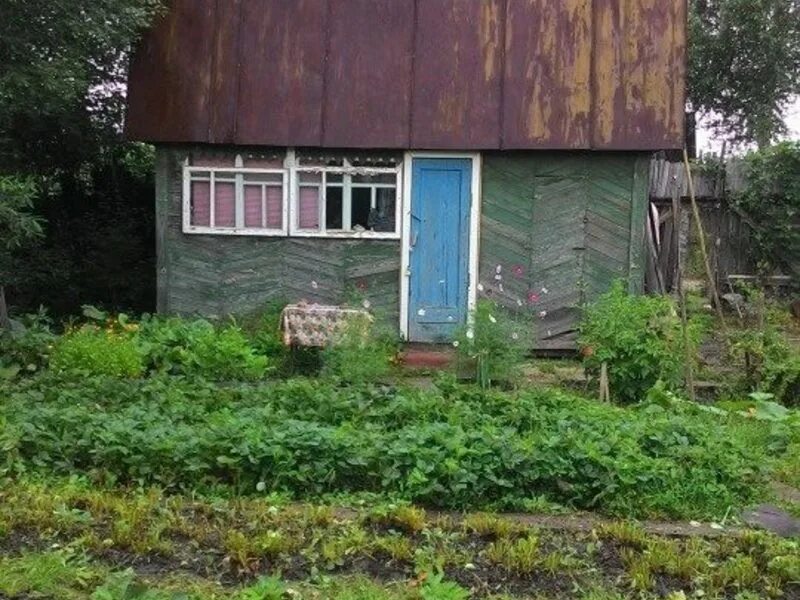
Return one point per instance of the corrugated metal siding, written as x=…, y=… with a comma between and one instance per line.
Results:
x=424, y=74
x=556, y=231
x=220, y=275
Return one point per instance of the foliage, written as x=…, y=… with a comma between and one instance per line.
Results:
x=771, y=199
x=473, y=449
x=495, y=343
x=91, y=350
x=639, y=338
x=26, y=345
x=18, y=228
x=744, y=64
x=360, y=352
x=437, y=588
x=197, y=348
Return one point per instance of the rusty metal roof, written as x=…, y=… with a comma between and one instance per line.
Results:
x=423, y=74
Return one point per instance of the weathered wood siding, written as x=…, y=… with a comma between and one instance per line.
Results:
x=221, y=275
x=557, y=230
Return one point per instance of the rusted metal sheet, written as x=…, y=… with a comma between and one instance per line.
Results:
x=548, y=74
x=224, y=88
x=282, y=57
x=639, y=74
x=368, y=77
x=170, y=74
x=457, y=74
x=424, y=74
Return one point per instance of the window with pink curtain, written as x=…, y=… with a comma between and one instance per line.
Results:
x=308, y=203
x=274, y=207
x=224, y=204
x=253, y=195
x=201, y=204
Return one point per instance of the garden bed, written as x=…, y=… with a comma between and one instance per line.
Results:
x=72, y=537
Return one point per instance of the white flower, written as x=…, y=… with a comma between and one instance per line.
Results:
x=367, y=304
x=261, y=486
x=498, y=277
x=314, y=285
x=470, y=334
x=515, y=336
x=492, y=319
x=455, y=344
x=519, y=302
x=543, y=314
x=499, y=269
x=545, y=290
x=480, y=287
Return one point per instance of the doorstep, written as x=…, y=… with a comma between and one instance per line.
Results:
x=437, y=357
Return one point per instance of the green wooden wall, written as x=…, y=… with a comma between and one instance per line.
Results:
x=220, y=275
x=557, y=229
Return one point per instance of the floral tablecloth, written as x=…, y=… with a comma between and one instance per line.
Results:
x=317, y=325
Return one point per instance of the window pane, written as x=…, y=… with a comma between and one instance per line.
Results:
x=225, y=205
x=308, y=208
x=310, y=177
x=335, y=178
x=383, y=217
x=334, y=208
x=360, y=208
x=225, y=175
x=275, y=208
x=252, y=206
x=263, y=177
x=383, y=179
x=200, y=204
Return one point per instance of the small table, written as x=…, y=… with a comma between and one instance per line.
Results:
x=318, y=326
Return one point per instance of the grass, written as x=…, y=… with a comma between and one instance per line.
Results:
x=61, y=539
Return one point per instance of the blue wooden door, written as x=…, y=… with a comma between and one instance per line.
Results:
x=441, y=194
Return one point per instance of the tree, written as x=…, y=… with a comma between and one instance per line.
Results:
x=63, y=68
x=18, y=227
x=744, y=65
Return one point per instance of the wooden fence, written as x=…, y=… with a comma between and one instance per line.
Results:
x=671, y=235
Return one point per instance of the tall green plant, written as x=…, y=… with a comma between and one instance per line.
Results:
x=494, y=343
x=640, y=340
x=18, y=227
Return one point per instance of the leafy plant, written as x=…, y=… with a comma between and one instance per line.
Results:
x=26, y=345
x=94, y=351
x=196, y=347
x=360, y=352
x=494, y=343
x=436, y=587
x=639, y=338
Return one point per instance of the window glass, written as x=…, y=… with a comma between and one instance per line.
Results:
x=274, y=207
x=200, y=207
x=253, y=204
x=361, y=207
x=381, y=178
x=334, y=207
x=384, y=215
x=308, y=213
x=224, y=204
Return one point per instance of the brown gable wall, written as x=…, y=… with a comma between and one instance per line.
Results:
x=424, y=74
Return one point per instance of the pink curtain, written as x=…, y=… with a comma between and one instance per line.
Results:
x=201, y=204
x=252, y=206
x=275, y=207
x=309, y=208
x=225, y=204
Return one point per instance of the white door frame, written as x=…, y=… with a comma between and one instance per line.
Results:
x=474, y=230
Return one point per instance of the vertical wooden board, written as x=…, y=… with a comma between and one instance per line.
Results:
x=547, y=76
x=224, y=93
x=639, y=206
x=457, y=74
x=169, y=81
x=506, y=229
x=638, y=74
x=281, y=73
x=162, y=206
x=368, y=78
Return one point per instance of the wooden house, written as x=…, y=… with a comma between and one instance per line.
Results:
x=417, y=153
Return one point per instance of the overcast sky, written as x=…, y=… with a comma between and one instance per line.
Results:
x=707, y=142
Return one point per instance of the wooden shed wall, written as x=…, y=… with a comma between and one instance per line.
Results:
x=557, y=229
x=220, y=275
x=422, y=74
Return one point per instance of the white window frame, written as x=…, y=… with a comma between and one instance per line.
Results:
x=239, y=173
x=347, y=171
